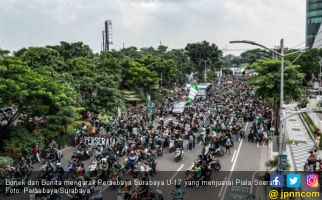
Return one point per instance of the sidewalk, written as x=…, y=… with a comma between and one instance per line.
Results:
x=297, y=139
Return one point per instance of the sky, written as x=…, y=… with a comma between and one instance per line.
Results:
x=145, y=23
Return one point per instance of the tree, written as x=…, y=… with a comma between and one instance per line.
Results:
x=252, y=55
x=202, y=51
x=73, y=50
x=43, y=60
x=267, y=83
x=4, y=53
x=27, y=96
x=139, y=76
x=309, y=63
x=131, y=52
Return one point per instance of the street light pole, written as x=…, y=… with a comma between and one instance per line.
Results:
x=205, y=71
x=205, y=62
x=320, y=63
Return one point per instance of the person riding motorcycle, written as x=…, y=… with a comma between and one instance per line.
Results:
x=197, y=172
x=151, y=161
x=312, y=159
x=132, y=158
x=178, y=193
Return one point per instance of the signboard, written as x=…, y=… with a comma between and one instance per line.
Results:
x=95, y=141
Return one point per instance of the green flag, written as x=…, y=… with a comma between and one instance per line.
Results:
x=193, y=92
x=242, y=68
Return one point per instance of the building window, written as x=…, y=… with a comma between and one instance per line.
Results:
x=314, y=20
x=315, y=6
x=314, y=13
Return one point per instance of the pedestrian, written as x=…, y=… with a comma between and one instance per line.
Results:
x=35, y=151
x=317, y=139
x=228, y=144
x=190, y=141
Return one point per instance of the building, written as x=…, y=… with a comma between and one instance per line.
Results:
x=313, y=23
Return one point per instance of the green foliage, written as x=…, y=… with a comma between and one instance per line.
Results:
x=227, y=71
x=309, y=62
x=309, y=122
x=73, y=50
x=202, y=51
x=268, y=80
x=20, y=140
x=253, y=55
x=4, y=53
x=303, y=103
x=4, y=161
x=139, y=76
x=29, y=95
x=267, y=83
x=40, y=58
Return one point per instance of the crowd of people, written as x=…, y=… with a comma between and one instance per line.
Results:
x=133, y=141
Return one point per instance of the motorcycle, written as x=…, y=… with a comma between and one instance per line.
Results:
x=159, y=150
x=219, y=152
x=178, y=154
x=82, y=155
x=171, y=145
x=114, y=178
x=49, y=155
x=214, y=164
x=92, y=168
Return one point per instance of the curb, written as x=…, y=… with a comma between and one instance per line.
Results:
x=306, y=126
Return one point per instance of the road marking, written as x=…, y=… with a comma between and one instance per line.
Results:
x=234, y=163
x=232, y=159
x=251, y=187
x=222, y=188
x=178, y=170
x=106, y=187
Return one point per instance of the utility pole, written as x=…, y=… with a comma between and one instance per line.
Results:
x=320, y=63
x=282, y=115
x=205, y=72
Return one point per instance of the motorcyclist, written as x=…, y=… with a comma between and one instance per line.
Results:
x=312, y=159
x=132, y=158
x=197, y=173
x=59, y=172
x=151, y=161
x=178, y=193
x=49, y=169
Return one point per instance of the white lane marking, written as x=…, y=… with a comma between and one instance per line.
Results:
x=234, y=163
x=222, y=188
x=106, y=187
x=232, y=159
x=233, y=166
x=251, y=186
x=178, y=170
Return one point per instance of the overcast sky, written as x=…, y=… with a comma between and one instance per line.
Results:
x=145, y=23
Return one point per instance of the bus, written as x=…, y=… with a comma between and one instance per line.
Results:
x=204, y=90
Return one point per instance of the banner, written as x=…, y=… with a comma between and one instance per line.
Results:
x=95, y=141
x=193, y=92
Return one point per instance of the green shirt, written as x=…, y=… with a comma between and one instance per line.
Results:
x=198, y=172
